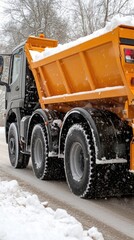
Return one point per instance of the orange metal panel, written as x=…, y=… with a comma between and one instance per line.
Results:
x=43, y=80
x=126, y=32
x=88, y=95
x=39, y=43
x=76, y=74
x=87, y=71
x=54, y=79
x=63, y=77
x=104, y=67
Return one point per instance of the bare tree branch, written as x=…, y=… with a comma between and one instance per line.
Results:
x=32, y=16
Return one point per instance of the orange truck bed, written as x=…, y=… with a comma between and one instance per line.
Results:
x=95, y=69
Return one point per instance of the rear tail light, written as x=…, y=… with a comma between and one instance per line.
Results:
x=129, y=55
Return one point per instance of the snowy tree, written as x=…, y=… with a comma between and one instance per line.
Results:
x=91, y=15
x=27, y=17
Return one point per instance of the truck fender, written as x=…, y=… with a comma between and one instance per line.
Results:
x=111, y=135
x=82, y=116
x=40, y=116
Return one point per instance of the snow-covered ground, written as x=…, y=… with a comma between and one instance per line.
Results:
x=2, y=129
x=23, y=216
x=116, y=21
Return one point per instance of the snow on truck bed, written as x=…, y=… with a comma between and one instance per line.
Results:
x=116, y=21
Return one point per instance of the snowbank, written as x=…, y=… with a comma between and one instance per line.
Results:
x=23, y=216
x=116, y=21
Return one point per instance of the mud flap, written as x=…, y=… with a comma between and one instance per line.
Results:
x=114, y=180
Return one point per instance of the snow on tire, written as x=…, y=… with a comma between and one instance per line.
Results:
x=80, y=161
x=39, y=152
x=44, y=167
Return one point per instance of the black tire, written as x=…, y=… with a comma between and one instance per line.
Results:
x=17, y=159
x=44, y=167
x=80, y=161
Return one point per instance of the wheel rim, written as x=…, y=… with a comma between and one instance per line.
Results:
x=38, y=153
x=77, y=161
x=12, y=146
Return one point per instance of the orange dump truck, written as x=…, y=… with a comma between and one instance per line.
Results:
x=73, y=112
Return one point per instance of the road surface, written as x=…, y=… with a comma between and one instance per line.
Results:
x=114, y=217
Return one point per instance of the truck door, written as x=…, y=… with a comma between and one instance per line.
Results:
x=15, y=76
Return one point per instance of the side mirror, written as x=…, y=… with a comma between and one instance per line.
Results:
x=1, y=72
x=1, y=66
